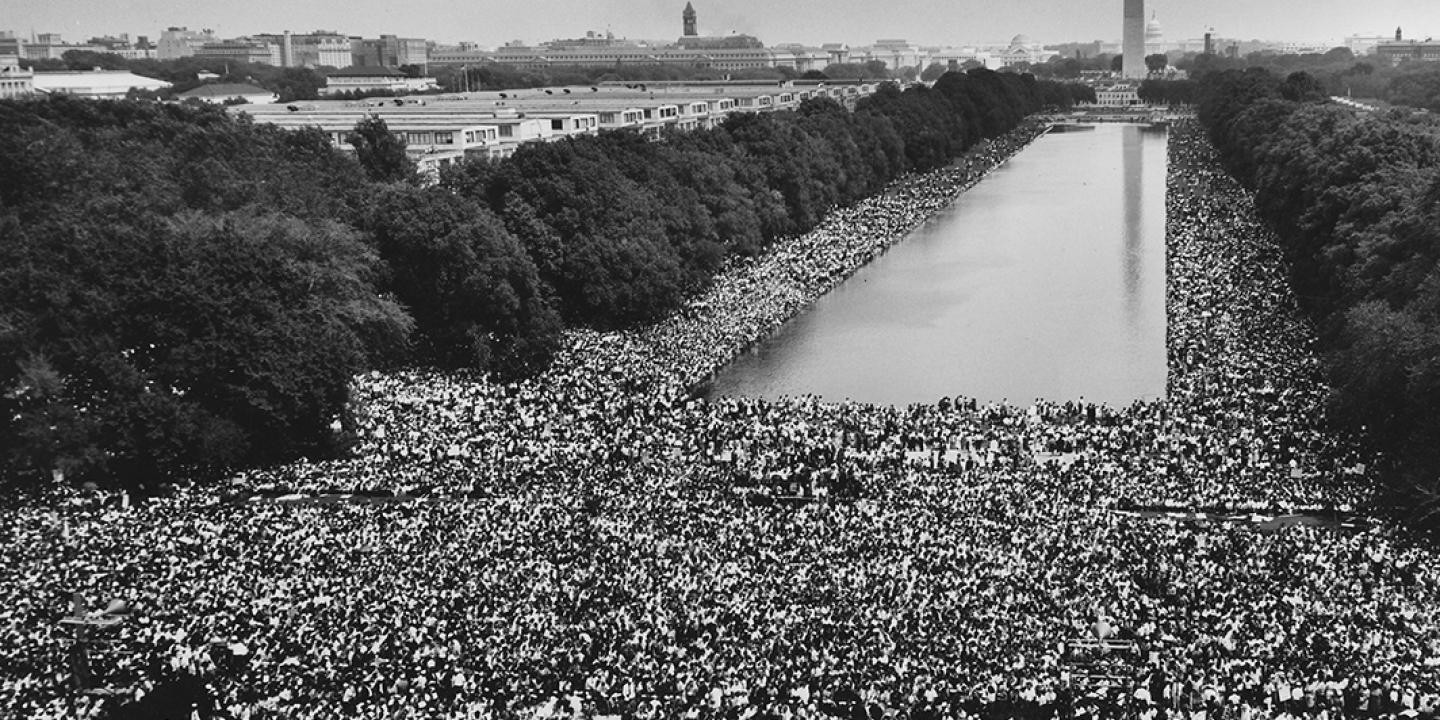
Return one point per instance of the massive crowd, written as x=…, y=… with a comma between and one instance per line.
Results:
x=604, y=541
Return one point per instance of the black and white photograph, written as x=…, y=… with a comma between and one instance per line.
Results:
x=720, y=360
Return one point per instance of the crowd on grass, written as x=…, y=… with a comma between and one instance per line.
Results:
x=604, y=541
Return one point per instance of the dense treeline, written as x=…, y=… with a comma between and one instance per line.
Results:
x=182, y=291
x=1338, y=73
x=1169, y=92
x=1412, y=83
x=1355, y=198
x=621, y=228
x=176, y=289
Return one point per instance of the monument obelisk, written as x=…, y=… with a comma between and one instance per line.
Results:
x=1134, y=40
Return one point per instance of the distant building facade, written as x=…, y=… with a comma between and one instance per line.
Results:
x=51, y=46
x=320, y=48
x=242, y=50
x=44, y=46
x=1021, y=51
x=180, y=42
x=720, y=42
x=895, y=53
x=691, y=50
x=388, y=51
x=961, y=57
x=802, y=58
x=1306, y=47
x=1400, y=50
x=440, y=128
x=1122, y=95
x=15, y=81
x=11, y=45
x=222, y=93
x=623, y=53
x=95, y=84
x=1364, y=44
x=139, y=49
x=1154, y=36
x=459, y=54
x=374, y=79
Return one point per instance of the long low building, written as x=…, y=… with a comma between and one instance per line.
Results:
x=95, y=83
x=371, y=79
x=719, y=58
x=221, y=93
x=432, y=128
x=1399, y=51
x=439, y=129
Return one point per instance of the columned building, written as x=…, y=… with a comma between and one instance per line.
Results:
x=1154, y=37
x=15, y=80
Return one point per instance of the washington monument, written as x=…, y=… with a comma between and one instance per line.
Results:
x=1134, y=40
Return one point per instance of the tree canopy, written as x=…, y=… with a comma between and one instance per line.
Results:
x=184, y=291
x=1355, y=197
x=176, y=293
x=621, y=228
x=380, y=152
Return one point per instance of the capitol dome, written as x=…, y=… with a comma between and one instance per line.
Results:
x=1153, y=31
x=1020, y=41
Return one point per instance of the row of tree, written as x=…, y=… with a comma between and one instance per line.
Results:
x=177, y=289
x=1411, y=83
x=1169, y=92
x=1355, y=198
x=621, y=228
x=184, y=291
x=1339, y=72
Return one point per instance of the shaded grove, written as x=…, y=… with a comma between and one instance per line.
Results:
x=1355, y=197
x=185, y=292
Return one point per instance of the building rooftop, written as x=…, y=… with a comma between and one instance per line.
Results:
x=578, y=100
x=367, y=71
x=225, y=90
x=73, y=81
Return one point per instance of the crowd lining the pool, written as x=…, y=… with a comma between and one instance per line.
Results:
x=603, y=541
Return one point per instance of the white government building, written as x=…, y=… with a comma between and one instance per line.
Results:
x=95, y=83
x=443, y=129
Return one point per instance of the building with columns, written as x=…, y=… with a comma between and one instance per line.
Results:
x=15, y=80
x=1154, y=36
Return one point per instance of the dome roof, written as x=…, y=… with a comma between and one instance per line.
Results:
x=1153, y=31
x=1020, y=41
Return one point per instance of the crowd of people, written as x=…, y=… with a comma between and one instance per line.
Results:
x=605, y=541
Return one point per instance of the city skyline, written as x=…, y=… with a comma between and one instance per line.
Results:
x=848, y=21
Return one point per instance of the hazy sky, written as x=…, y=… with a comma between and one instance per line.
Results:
x=930, y=22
